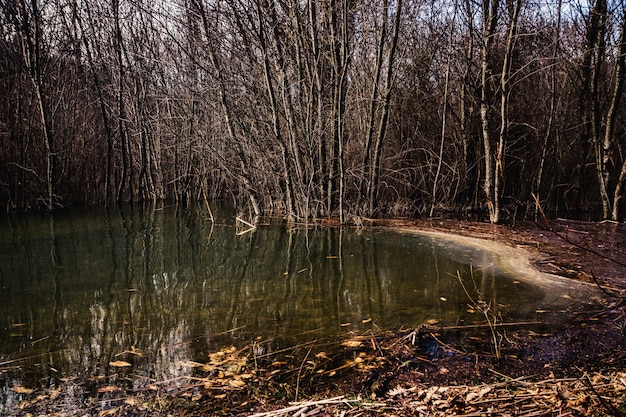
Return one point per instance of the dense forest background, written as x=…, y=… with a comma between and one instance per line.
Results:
x=344, y=108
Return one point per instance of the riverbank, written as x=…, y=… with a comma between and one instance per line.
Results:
x=577, y=370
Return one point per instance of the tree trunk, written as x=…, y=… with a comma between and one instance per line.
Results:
x=109, y=180
x=444, y=112
x=490, y=12
x=553, y=103
x=32, y=33
x=382, y=127
x=243, y=175
x=373, y=105
x=591, y=112
x=514, y=7
x=609, y=140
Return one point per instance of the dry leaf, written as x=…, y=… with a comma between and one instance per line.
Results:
x=471, y=397
x=352, y=343
x=109, y=388
x=119, y=364
x=236, y=383
x=22, y=390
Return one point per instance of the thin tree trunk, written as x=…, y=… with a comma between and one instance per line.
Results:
x=121, y=107
x=469, y=147
x=499, y=179
x=32, y=58
x=490, y=12
x=373, y=104
x=444, y=112
x=553, y=102
x=593, y=59
x=243, y=175
x=382, y=127
x=109, y=184
x=611, y=119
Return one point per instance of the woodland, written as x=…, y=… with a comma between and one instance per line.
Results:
x=348, y=109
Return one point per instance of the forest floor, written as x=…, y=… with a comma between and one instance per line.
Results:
x=577, y=370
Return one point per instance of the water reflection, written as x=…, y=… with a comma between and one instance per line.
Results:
x=156, y=288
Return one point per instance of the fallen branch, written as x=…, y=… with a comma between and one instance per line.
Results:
x=297, y=406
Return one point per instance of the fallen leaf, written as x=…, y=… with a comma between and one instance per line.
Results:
x=119, y=364
x=22, y=390
x=471, y=397
x=109, y=388
x=236, y=383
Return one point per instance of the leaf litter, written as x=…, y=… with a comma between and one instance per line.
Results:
x=347, y=378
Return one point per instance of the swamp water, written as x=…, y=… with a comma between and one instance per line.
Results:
x=85, y=288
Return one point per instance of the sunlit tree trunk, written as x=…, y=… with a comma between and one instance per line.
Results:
x=611, y=120
x=489, y=15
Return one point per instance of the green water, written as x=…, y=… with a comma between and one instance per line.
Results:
x=80, y=287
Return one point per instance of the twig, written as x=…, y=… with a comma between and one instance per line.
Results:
x=543, y=214
x=300, y=372
x=607, y=292
x=475, y=326
x=286, y=349
x=245, y=222
x=30, y=357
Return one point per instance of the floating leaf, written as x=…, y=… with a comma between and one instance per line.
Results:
x=352, y=343
x=119, y=364
x=321, y=355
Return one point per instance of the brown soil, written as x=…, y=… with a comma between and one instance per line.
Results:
x=577, y=370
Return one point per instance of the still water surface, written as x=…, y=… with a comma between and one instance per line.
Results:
x=80, y=287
